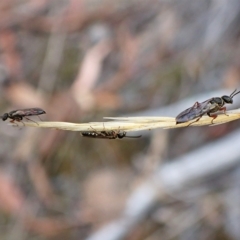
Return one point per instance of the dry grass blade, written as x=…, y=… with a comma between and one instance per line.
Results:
x=135, y=123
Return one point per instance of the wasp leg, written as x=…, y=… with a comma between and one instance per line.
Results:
x=39, y=117
x=224, y=110
x=30, y=120
x=193, y=122
x=15, y=124
x=97, y=132
x=212, y=116
x=106, y=133
x=13, y=121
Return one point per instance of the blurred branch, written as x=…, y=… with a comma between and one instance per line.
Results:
x=52, y=60
x=88, y=74
x=223, y=14
x=23, y=13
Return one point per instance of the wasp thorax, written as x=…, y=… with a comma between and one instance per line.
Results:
x=218, y=100
x=227, y=99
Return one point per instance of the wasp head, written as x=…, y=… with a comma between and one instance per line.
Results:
x=121, y=135
x=229, y=99
x=5, y=116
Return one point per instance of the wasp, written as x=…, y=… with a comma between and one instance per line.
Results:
x=208, y=107
x=108, y=134
x=18, y=115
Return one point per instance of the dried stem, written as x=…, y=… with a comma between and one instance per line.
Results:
x=135, y=123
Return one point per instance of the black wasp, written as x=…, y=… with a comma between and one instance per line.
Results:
x=18, y=115
x=208, y=107
x=107, y=134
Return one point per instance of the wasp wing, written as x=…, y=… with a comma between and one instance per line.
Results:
x=196, y=111
x=27, y=112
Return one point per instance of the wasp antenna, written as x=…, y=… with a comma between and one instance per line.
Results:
x=133, y=136
x=234, y=93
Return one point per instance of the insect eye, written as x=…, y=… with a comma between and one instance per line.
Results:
x=227, y=99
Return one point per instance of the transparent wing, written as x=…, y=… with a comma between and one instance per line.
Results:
x=196, y=111
x=27, y=112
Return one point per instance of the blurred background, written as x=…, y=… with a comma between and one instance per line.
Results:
x=82, y=60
